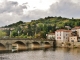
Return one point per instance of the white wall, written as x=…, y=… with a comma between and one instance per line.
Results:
x=50, y=36
x=64, y=36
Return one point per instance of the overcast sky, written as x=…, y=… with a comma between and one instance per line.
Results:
x=12, y=11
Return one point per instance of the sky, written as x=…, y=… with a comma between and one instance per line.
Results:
x=12, y=11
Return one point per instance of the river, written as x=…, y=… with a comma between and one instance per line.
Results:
x=50, y=54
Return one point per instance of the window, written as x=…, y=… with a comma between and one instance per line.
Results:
x=60, y=33
x=58, y=37
x=78, y=40
x=72, y=40
x=64, y=36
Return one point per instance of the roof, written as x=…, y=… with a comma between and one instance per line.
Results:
x=73, y=29
x=77, y=27
x=60, y=30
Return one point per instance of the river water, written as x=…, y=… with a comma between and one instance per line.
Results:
x=50, y=54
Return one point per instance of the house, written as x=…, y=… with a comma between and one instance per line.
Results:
x=2, y=28
x=73, y=39
x=62, y=35
x=50, y=36
x=68, y=27
x=77, y=29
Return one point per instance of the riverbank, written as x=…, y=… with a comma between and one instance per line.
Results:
x=67, y=44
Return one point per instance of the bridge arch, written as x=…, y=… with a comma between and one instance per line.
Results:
x=35, y=45
x=19, y=42
x=2, y=47
x=46, y=45
x=19, y=45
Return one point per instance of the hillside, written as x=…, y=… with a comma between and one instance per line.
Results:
x=15, y=24
x=58, y=21
x=39, y=28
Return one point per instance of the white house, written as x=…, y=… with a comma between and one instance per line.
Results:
x=62, y=35
x=68, y=27
x=50, y=36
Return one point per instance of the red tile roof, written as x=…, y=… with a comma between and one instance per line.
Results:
x=77, y=27
x=63, y=30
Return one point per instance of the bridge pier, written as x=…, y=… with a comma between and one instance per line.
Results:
x=8, y=46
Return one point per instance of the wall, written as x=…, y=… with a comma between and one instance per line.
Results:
x=73, y=39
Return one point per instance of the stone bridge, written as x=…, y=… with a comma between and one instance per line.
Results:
x=6, y=44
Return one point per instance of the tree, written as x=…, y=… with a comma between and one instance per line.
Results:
x=42, y=34
x=14, y=33
x=29, y=30
x=2, y=34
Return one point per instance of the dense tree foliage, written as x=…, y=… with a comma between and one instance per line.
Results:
x=15, y=24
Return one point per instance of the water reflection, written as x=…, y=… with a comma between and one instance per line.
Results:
x=45, y=54
x=73, y=51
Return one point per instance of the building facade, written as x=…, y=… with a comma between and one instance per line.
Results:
x=51, y=36
x=73, y=39
x=62, y=35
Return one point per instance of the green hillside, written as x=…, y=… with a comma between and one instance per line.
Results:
x=39, y=28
